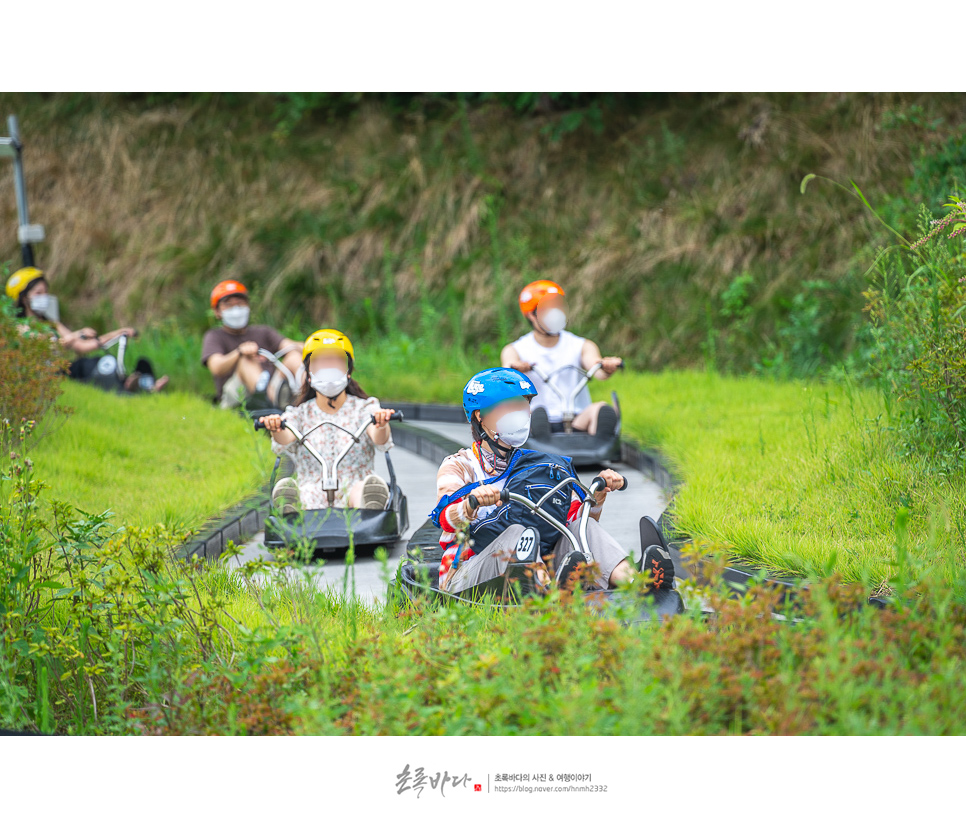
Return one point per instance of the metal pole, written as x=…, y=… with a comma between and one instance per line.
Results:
x=26, y=250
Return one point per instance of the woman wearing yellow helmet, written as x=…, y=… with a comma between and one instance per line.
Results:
x=28, y=287
x=330, y=394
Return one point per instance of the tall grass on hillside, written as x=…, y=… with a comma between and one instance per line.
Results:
x=916, y=303
x=676, y=228
x=917, y=307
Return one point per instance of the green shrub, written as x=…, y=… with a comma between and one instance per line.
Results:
x=104, y=632
x=94, y=619
x=32, y=365
x=919, y=331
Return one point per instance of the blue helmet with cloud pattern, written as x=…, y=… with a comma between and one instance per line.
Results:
x=493, y=386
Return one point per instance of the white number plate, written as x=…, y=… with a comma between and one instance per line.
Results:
x=526, y=544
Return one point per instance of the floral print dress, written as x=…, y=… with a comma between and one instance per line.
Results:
x=329, y=443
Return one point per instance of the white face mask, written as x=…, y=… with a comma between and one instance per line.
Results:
x=513, y=428
x=235, y=317
x=553, y=321
x=330, y=382
x=40, y=304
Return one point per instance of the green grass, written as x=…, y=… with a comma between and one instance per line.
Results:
x=398, y=368
x=171, y=458
x=800, y=477
x=175, y=458
x=147, y=644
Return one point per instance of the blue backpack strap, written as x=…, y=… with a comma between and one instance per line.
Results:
x=463, y=491
x=577, y=488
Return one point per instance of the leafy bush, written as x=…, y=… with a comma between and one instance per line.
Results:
x=556, y=667
x=104, y=632
x=917, y=308
x=32, y=366
x=94, y=619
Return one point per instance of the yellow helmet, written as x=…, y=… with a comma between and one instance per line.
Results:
x=327, y=340
x=21, y=279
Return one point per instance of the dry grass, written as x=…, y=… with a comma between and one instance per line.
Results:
x=120, y=192
x=147, y=206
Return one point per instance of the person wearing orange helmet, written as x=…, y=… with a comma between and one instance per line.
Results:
x=552, y=348
x=230, y=352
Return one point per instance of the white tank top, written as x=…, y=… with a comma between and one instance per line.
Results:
x=566, y=352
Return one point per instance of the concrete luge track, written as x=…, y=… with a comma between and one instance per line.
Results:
x=420, y=445
x=429, y=434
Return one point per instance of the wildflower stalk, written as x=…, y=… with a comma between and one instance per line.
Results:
x=856, y=192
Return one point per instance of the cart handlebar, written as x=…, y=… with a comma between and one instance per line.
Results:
x=505, y=495
x=396, y=417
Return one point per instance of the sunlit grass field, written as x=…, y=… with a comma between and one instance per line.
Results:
x=783, y=474
x=171, y=458
x=796, y=476
x=799, y=477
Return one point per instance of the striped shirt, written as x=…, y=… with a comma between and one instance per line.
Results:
x=455, y=472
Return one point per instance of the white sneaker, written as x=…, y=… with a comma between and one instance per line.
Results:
x=375, y=493
x=285, y=496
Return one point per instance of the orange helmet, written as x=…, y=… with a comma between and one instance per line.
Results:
x=226, y=288
x=535, y=292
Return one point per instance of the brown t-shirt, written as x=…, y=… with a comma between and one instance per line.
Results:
x=219, y=340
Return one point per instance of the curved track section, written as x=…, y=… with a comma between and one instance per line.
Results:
x=420, y=446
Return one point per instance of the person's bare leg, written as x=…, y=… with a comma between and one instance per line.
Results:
x=541, y=577
x=293, y=361
x=249, y=370
x=160, y=383
x=624, y=572
x=355, y=495
x=587, y=419
x=607, y=551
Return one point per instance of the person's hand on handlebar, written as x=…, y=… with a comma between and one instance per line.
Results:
x=614, y=482
x=379, y=430
x=272, y=422
x=486, y=496
x=521, y=366
x=82, y=341
x=380, y=417
x=248, y=349
x=611, y=364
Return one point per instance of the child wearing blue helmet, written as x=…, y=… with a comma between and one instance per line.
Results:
x=497, y=406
